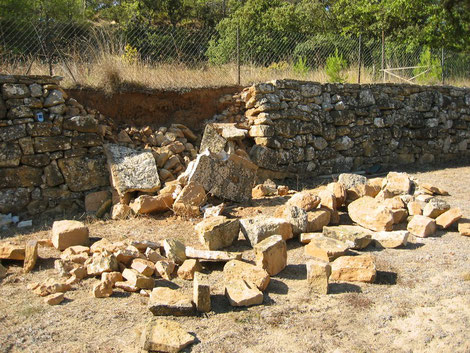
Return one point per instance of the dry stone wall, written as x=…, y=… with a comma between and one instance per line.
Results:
x=51, y=149
x=307, y=127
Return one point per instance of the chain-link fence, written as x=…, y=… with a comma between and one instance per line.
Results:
x=168, y=57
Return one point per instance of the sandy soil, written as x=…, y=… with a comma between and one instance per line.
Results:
x=420, y=301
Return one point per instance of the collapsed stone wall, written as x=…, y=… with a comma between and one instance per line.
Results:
x=306, y=127
x=51, y=149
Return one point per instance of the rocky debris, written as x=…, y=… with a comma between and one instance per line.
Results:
x=153, y=255
x=165, y=336
x=138, y=280
x=351, y=180
x=166, y=302
x=229, y=177
x=414, y=208
x=217, y=232
x=305, y=200
x=10, y=251
x=392, y=239
x=101, y=262
x=69, y=233
x=146, y=204
x=371, y=214
x=325, y=248
x=174, y=250
x=50, y=286
x=317, y=219
x=432, y=190
x=318, y=274
x=355, y=237
x=112, y=277
x=339, y=191
x=144, y=267
x=188, y=269
x=165, y=269
x=3, y=271
x=271, y=254
x=397, y=183
x=31, y=256
x=94, y=200
x=126, y=286
x=282, y=190
x=464, y=227
x=202, y=293
x=189, y=200
x=328, y=200
x=102, y=289
x=399, y=215
x=212, y=256
x=354, y=269
x=235, y=269
x=213, y=211
x=261, y=227
x=435, y=207
x=132, y=170
x=449, y=217
x=262, y=190
x=54, y=299
x=120, y=211
x=297, y=217
x=422, y=226
x=242, y=293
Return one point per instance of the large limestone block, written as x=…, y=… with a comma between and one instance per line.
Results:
x=229, y=177
x=174, y=250
x=137, y=279
x=422, y=226
x=297, y=217
x=31, y=255
x=328, y=199
x=166, y=302
x=317, y=219
x=325, y=248
x=217, y=232
x=350, y=180
x=306, y=200
x=354, y=236
x=102, y=262
x=464, y=227
x=318, y=274
x=242, y=293
x=9, y=251
x=354, y=269
x=69, y=233
x=146, y=204
x=189, y=200
x=391, y=239
x=449, y=217
x=236, y=269
x=84, y=173
x=370, y=214
x=397, y=183
x=202, y=293
x=132, y=170
x=212, y=256
x=435, y=207
x=165, y=336
x=339, y=191
x=414, y=208
x=271, y=254
x=189, y=268
x=261, y=227
x=212, y=141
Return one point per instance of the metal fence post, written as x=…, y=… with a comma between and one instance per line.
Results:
x=238, y=55
x=360, y=59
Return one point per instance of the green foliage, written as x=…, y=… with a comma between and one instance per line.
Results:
x=335, y=65
x=428, y=62
x=130, y=55
x=301, y=67
x=278, y=67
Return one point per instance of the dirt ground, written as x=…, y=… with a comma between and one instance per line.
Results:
x=420, y=301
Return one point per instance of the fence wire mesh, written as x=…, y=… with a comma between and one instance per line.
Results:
x=171, y=57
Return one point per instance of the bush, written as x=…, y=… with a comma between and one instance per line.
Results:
x=301, y=67
x=431, y=63
x=335, y=64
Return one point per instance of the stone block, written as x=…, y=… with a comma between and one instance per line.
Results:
x=435, y=207
x=52, y=143
x=318, y=273
x=354, y=236
x=169, y=302
x=261, y=227
x=174, y=250
x=217, y=232
x=449, y=217
x=15, y=90
x=165, y=336
x=31, y=256
x=242, y=293
x=22, y=176
x=12, y=133
x=297, y=217
x=369, y=213
x=13, y=199
x=189, y=200
x=235, y=269
x=391, y=239
x=138, y=280
x=354, y=269
x=10, y=251
x=202, y=293
x=271, y=254
x=317, y=219
x=86, y=123
x=84, y=173
x=212, y=141
x=212, y=256
x=69, y=233
x=10, y=154
x=102, y=262
x=146, y=204
x=305, y=200
x=165, y=268
x=188, y=269
x=422, y=226
x=325, y=248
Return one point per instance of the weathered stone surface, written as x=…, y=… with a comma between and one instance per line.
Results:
x=50, y=286
x=10, y=251
x=69, y=233
x=318, y=273
x=138, y=280
x=242, y=293
x=358, y=191
x=102, y=262
x=351, y=180
x=201, y=293
x=111, y=277
x=165, y=268
x=146, y=204
x=325, y=248
x=261, y=227
x=212, y=141
x=236, y=269
x=271, y=254
x=262, y=190
x=153, y=255
x=217, y=232
x=391, y=239
x=297, y=217
x=10, y=154
x=11, y=133
x=328, y=200
x=3, y=272
x=54, y=299
x=189, y=200
x=422, y=226
x=174, y=250
x=435, y=207
x=432, y=189
x=84, y=173
x=22, y=176
x=414, y=208
x=94, y=200
x=52, y=144
x=317, y=219
x=399, y=215
x=449, y=217
x=165, y=336
x=188, y=269
x=165, y=302
x=354, y=236
x=369, y=213
x=397, y=183
x=305, y=200
x=354, y=269
x=339, y=191
x=144, y=267
x=102, y=289
x=86, y=123
x=13, y=199
x=15, y=90
x=120, y=211
x=226, y=176
x=31, y=256
x=132, y=170
x=212, y=256
x=126, y=286
x=464, y=227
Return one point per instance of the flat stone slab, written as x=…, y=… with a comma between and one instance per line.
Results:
x=132, y=170
x=354, y=236
x=212, y=256
x=166, y=302
x=10, y=251
x=165, y=336
x=325, y=248
x=259, y=228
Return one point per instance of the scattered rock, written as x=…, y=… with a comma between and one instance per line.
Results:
x=435, y=207
x=9, y=251
x=433, y=190
x=399, y=215
x=262, y=190
x=391, y=239
x=165, y=301
x=54, y=299
x=354, y=269
x=297, y=217
x=414, y=208
x=397, y=183
x=339, y=191
x=201, y=293
x=318, y=273
x=174, y=250
x=120, y=211
x=282, y=190
x=126, y=286
x=305, y=200
x=354, y=236
x=138, y=280
x=188, y=269
x=51, y=286
x=69, y=233
x=214, y=211
x=261, y=227
x=350, y=180
x=271, y=254
x=112, y=277
x=422, y=226
x=449, y=217
x=144, y=267
x=102, y=289
x=235, y=269
x=31, y=256
x=189, y=200
x=325, y=248
x=370, y=214
x=165, y=268
x=212, y=256
x=464, y=227
x=102, y=262
x=218, y=232
x=165, y=336
x=317, y=219
x=146, y=204
x=242, y=293
x=328, y=199
x=153, y=255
